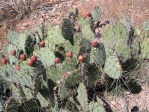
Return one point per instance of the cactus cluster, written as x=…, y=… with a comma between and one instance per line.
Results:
x=65, y=59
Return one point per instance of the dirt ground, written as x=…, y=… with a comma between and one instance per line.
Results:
x=113, y=10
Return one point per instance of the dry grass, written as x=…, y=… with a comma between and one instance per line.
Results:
x=19, y=6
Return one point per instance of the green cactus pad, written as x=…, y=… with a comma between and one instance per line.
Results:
x=98, y=55
x=54, y=73
x=112, y=67
x=146, y=25
x=54, y=36
x=63, y=92
x=76, y=47
x=21, y=77
x=69, y=67
x=96, y=13
x=13, y=60
x=67, y=29
x=135, y=47
x=27, y=92
x=72, y=80
x=46, y=56
x=40, y=33
x=42, y=100
x=87, y=33
x=95, y=107
x=85, y=22
x=114, y=35
x=12, y=37
x=16, y=93
x=26, y=44
x=82, y=96
x=94, y=74
x=3, y=86
x=145, y=49
x=11, y=47
x=123, y=51
x=84, y=46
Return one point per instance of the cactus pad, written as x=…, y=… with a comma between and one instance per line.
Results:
x=96, y=13
x=145, y=49
x=46, y=56
x=67, y=29
x=82, y=97
x=54, y=36
x=98, y=55
x=112, y=67
x=42, y=100
x=95, y=107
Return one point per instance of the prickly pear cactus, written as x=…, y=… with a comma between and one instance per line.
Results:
x=96, y=13
x=146, y=25
x=113, y=67
x=55, y=76
x=46, y=56
x=42, y=100
x=85, y=22
x=145, y=49
x=98, y=55
x=115, y=37
x=25, y=42
x=87, y=33
x=54, y=37
x=67, y=29
x=82, y=97
x=95, y=107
